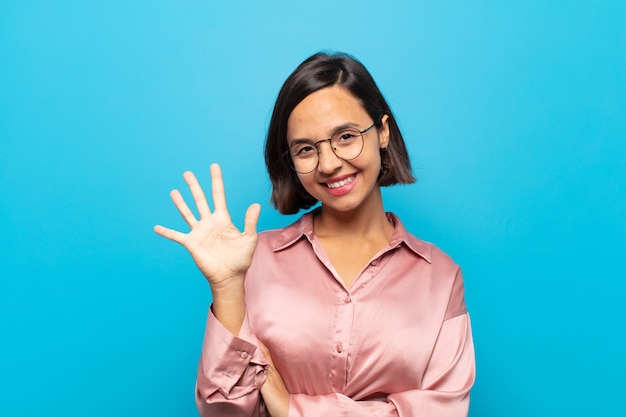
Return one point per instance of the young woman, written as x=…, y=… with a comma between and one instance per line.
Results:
x=343, y=312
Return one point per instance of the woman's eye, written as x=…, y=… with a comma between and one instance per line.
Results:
x=347, y=136
x=304, y=150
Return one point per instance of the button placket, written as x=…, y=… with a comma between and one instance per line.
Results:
x=343, y=331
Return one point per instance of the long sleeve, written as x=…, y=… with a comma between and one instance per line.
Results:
x=230, y=373
x=445, y=391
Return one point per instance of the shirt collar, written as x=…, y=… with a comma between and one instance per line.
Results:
x=304, y=227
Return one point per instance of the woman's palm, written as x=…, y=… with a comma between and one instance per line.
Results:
x=218, y=248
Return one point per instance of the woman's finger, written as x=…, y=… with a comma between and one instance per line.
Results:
x=197, y=193
x=217, y=186
x=183, y=208
x=170, y=234
x=266, y=353
x=252, y=218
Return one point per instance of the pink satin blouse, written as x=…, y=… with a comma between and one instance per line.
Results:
x=397, y=343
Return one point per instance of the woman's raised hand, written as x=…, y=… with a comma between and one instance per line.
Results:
x=219, y=249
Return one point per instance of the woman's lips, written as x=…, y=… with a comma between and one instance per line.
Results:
x=340, y=183
x=341, y=186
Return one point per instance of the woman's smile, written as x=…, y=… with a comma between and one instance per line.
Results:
x=337, y=187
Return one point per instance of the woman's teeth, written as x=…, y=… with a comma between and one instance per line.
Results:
x=340, y=183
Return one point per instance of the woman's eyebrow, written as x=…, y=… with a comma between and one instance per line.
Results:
x=334, y=130
x=300, y=141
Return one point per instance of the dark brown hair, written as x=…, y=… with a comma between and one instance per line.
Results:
x=320, y=71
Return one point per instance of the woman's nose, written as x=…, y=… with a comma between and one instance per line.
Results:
x=328, y=161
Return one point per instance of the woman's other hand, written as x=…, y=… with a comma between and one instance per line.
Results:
x=273, y=390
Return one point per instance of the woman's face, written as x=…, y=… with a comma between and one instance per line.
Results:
x=340, y=185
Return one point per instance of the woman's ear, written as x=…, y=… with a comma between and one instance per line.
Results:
x=383, y=132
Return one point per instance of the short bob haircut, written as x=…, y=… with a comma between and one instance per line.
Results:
x=315, y=73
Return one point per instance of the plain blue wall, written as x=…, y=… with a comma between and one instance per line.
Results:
x=514, y=113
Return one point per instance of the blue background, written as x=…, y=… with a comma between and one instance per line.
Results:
x=514, y=114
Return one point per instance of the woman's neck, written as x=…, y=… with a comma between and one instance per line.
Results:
x=367, y=221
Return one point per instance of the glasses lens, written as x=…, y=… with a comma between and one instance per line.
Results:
x=347, y=144
x=303, y=157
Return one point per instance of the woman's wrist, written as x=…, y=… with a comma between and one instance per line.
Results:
x=229, y=306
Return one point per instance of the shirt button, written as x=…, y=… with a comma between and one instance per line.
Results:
x=339, y=348
x=375, y=262
x=347, y=299
x=243, y=355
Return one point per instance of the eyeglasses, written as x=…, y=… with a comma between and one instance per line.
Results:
x=347, y=144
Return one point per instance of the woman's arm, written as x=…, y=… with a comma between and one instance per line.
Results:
x=231, y=369
x=231, y=372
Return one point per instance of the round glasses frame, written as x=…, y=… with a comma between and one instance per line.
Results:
x=330, y=140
